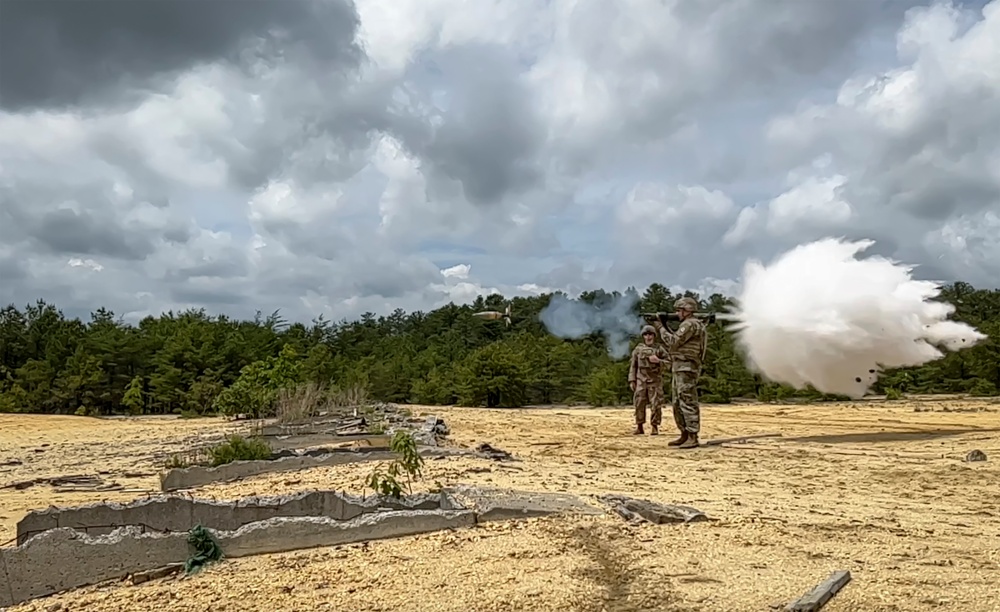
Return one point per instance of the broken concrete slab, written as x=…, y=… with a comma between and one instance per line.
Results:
x=281, y=443
x=493, y=504
x=30, y=572
x=196, y=476
x=634, y=510
x=170, y=513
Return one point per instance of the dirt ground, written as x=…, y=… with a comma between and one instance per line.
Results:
x=877, y=488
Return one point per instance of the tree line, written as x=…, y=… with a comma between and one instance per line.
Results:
x=195, y=363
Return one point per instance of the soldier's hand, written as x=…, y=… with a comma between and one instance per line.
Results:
x=654, y=359
x=631, y=386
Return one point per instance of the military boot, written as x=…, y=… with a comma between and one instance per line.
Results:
x=638, y=430
x=681, y=440
x=691, y=442
x=655, y=431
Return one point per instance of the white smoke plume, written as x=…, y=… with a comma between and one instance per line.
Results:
x=615, y=318
x=818, y=315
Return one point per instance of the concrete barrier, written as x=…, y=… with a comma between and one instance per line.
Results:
x=63, y=558
x=30, y=571
x=197, y=476
x=169, y=513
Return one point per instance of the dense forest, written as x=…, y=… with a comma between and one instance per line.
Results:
x=195, y=363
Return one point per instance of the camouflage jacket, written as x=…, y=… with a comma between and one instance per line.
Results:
x=642, y=369
x=687, y=345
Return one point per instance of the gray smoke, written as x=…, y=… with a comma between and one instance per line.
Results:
x=613, y=317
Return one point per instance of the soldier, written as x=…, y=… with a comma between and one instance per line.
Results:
x=645, y=378
x=687, y=351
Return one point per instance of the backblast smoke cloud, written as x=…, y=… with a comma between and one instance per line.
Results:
x=614, y=318
x=818, y=315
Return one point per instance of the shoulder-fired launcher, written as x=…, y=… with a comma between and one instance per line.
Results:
x=665, y=317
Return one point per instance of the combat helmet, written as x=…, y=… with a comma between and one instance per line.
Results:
x=648, y=329
x=686, y=303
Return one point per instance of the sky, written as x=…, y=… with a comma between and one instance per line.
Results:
x=335, y=157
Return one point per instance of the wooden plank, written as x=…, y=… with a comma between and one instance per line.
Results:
x=719, y=441
x=821, y=594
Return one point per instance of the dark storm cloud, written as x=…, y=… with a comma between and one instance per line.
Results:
x=10, y=270
x=233, y=264
x=490, y=135
x=78, y=220
x=66, y=52
x=215, y=297
x=82, y=233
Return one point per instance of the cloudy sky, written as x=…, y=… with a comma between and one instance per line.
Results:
x=338, y=157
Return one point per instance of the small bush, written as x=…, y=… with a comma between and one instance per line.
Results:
x=238, y=448
x=176, y=462
x=892, y=393
x=349, y=396
x=983, y=388
x=297, y=404
x=408, y=463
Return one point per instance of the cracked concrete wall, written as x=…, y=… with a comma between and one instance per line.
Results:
x=174, y=513
x=188, y=478
x=31, y=572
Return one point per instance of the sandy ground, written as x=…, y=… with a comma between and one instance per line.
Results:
x=878, y=488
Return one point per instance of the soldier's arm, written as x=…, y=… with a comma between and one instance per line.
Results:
x=684, y=332
x=665, y=333
x=633, y=365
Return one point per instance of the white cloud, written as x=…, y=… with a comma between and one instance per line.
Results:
x=543, y=144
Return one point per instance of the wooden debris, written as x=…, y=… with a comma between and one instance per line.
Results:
x=82, y=481
x=740, y=439
x=821, y=594
x=155, y=574
x=632, y=509
x=494, y=453
x=113, y=486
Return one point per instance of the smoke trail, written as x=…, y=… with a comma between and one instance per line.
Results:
x=615, y=318
x=818, y=315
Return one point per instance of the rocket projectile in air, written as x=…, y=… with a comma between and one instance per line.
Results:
x=493, y=315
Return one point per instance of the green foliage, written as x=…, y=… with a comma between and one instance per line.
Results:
x=493, y=376
x=132, y=399
x=255, y=392
x=983, y=388
x=205, y=550
x=892, y=393
x=607, y=385
x=194, y=364
x=384, y=480
x=238, y=448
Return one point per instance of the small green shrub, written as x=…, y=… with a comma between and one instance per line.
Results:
x=983, y=388
x=892, y=393
x=238, y=448
x=408, y=464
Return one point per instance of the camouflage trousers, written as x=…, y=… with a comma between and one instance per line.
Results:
x=648, y=394
x=687, y=410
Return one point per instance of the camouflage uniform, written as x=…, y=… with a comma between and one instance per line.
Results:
x=648, y=380
x=687, y=349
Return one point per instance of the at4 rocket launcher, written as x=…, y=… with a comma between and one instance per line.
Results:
x=665, y=317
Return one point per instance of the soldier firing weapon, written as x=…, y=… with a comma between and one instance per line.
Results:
x=493, y=315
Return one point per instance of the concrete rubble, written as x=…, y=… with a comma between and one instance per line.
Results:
x=329, y=428
x=197, y=476
x=245, y=527
x=172, y=513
